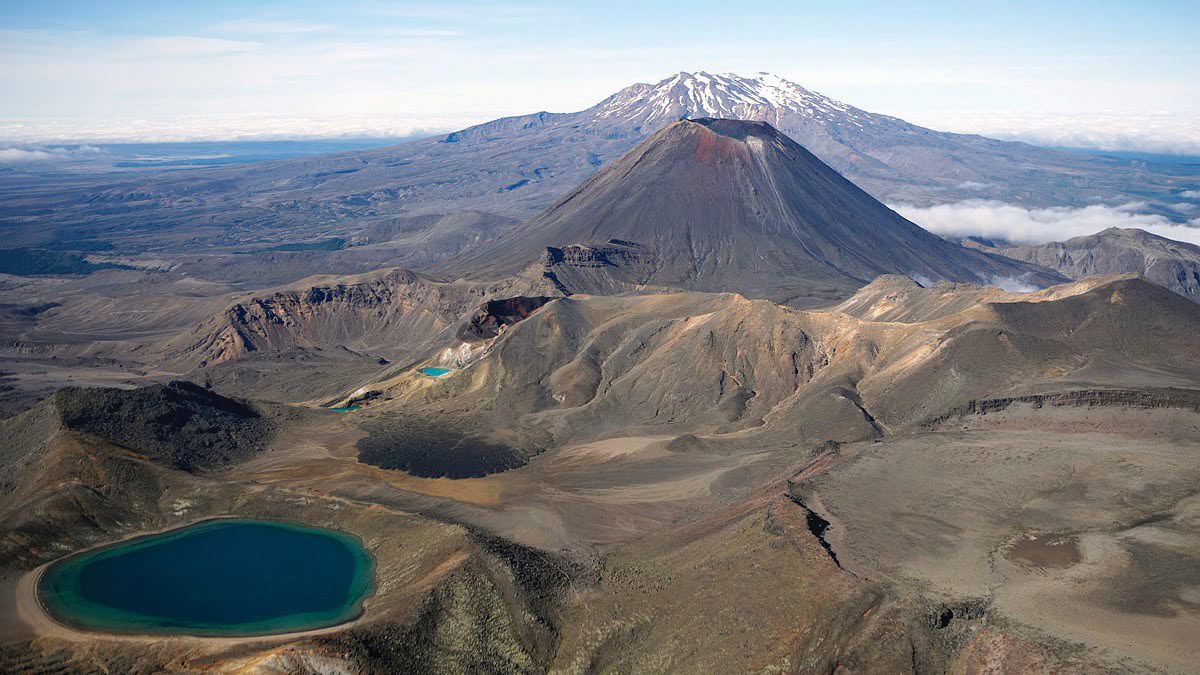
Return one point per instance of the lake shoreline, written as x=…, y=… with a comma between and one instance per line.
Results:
x=32, y=611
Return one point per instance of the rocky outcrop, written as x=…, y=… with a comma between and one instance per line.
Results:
x=1183, y=399
x=1168, y=263
x=350, y=312
x=390, y=313
x=494, y=316
x=179, y=424
x=597, y=269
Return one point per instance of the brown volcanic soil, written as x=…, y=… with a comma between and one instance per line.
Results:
x=658, y=531
x=587, y=368
x=1075, y=521
x=1045, y=551
x=80, y=491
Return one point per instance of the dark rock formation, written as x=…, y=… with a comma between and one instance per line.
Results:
x=179, y=424
x=390, y=313
x=495, y=315
x=431, y=450
x=1184, y=399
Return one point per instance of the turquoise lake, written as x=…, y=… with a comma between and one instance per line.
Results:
x=435, y=372
x=227, y=577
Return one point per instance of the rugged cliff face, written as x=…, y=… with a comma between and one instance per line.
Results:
x=494, y=316
x=391, y=313
x=368, y=312
x=597, y=269
x=1168, y=263
x=1144, y=399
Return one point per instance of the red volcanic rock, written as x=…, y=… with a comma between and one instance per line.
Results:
x=495, y=315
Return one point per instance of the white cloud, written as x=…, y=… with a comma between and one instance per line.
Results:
x=1148, y=131
x=412, y=61
x=23, y=155
x=997, y=220
x=485, y=12
x=185, y=129
x=185, y=46
x=417, y=32
x=256, y=26
x=1019, y=284
x=1190, y=194
x=14, y=155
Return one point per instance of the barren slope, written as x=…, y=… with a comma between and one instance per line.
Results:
x=583, y=368
x=1029, y=505
x=723, y=205
x=1172, y=264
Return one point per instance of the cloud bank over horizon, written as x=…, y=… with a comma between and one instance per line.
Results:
x=1148, y=132
x=1158, y=133
x=26, y=155
x=149, y=72
x=30, y=133
x=1012, y=223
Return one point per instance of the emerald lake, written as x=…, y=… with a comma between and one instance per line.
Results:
x=226, y=577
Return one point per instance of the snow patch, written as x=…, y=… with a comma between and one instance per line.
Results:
x=726, y=95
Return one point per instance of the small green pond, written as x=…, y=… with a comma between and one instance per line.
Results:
x=435, y=372
x=226, y=577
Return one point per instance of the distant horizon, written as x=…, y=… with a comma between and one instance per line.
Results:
x=381, y=140
x=1174, y=133
x=123, y=155
x=1118, y=76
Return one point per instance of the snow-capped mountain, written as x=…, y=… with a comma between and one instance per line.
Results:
x=892, y=159
x=508, y=169
x=687, y=95
x=860, y=144
x=518, y=165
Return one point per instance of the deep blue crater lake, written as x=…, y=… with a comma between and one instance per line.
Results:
x=227, y=577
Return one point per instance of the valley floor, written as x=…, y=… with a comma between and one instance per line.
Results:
x=711, y=563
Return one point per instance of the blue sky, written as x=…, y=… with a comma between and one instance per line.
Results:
x=1096, y=72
